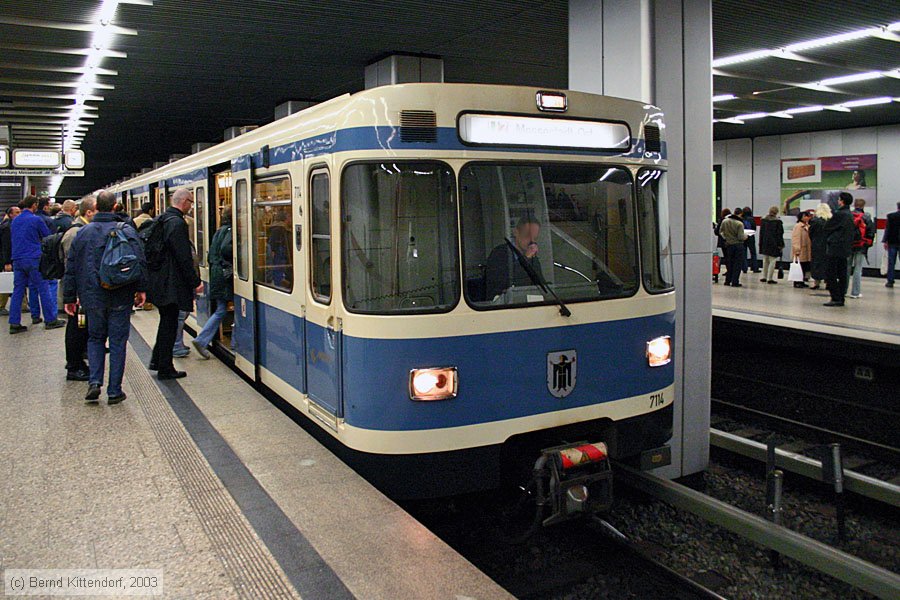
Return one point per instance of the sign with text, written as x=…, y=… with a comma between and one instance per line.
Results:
x=74, y=159
x=536, y=131
x=41, y=159
x=4, y=157
x=41, y=172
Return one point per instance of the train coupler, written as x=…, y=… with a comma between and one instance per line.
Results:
x=574, y=480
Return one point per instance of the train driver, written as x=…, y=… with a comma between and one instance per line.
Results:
x=505, y=264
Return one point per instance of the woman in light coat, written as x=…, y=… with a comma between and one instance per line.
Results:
x=801, y=246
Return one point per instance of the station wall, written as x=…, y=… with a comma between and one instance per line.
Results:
x=751, y=168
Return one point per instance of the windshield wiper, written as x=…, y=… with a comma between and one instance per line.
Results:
x=537, y=279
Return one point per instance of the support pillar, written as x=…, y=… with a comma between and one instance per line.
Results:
x=660, y=51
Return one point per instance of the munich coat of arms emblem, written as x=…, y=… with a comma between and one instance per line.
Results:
x=561, y=371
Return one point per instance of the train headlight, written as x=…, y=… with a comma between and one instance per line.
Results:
x=433, y=384
x=659, y=351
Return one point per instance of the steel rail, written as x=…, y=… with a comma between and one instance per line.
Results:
x=821, y=557
x=857, y=483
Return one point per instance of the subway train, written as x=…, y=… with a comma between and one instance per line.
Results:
x=452, y=281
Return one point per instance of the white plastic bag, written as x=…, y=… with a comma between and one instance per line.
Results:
x=884, y=266
x=796, y=272
x=6, y=282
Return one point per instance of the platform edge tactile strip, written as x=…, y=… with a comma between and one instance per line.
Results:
x=252, y=570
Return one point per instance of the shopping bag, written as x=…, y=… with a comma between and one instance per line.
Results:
x=884, y=265
x=796, y=272
x=6, y=281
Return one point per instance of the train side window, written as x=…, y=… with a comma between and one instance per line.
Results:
x=199, y=213
x=320, y=253
x=656, y=246
x=273, y=256
x=240, y=228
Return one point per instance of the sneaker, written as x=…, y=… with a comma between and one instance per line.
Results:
x=37, y=321
x=116, y=399
x=854, y=296
x=93, y=394
x=201, y=350
x=181, y=353
x=55, y=324
x=13, y=329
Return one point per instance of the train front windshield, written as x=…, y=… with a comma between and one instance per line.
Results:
x=527, y=229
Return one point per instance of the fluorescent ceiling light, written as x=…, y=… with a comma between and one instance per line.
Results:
x=851, y=78
x=894, y=26
x=833, y=39
x=837, y=108
x=804, y=109
x=741, y=58
x=868, y=102
x=781, y=115
x=723, y=97
x=756, y=115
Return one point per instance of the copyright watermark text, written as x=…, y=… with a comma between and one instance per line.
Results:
x=83, y=582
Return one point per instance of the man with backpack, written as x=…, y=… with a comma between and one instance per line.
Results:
x=27, y=230
x=77, y=336
x=173, y=279
x=863, y=238
x=106, y=301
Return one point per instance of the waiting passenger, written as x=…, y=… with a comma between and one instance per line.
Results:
x=860, y=249
x=145, y=216
x=750, y=242
x=77, y=336
x=66, y=215
x=817, y=238
x=801, y=246
x=891, y=241
x=27, y=230
x=221, y=283
x=173, y=283
x=732, y=231
x=6, y=250
x=839, y=230
x=108, y=311
x=771, y=243
x=505, y=265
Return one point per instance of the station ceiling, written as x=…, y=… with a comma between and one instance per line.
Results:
x=178, y=72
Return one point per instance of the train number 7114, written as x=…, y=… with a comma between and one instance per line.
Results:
x=657, y=400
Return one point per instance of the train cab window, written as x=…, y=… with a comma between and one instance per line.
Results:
x=272, y=232
x=199, y=214
x=532, y=228
x=399, y=233
x=240, y=228
x=320, y=253
x=656, y=243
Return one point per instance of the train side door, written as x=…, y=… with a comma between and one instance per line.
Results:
x=243, y=333
x=200, y=246
x=323, y=328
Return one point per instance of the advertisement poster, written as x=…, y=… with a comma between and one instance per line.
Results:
x=805, y=182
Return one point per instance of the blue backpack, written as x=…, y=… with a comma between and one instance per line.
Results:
x=120, y=264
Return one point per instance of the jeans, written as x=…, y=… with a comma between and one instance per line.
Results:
x=768, y=269
x=204, y=338
x=751, y=246
x=165, y=338
x=854, y=272
x=53, y=286
x=892, y=251
x=837, y=277
x=735, y=255
x=178, y=346
x=26, y=274
x=113, y=323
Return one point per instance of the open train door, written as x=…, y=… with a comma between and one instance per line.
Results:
x=323, y=328
x=244, y=335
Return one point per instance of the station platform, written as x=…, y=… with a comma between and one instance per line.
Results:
x=200, y=477
x=874, y=317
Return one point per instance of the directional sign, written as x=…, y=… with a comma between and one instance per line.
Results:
x=41, y=172
x=4, y=157
x=46, y=159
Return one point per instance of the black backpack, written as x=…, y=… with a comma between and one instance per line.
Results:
x=151, y=234
x=53, y=263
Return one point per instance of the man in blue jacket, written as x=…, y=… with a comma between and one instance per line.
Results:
x=27, y=230
x=108, y=311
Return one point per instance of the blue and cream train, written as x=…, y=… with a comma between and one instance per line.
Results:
x=382, y=287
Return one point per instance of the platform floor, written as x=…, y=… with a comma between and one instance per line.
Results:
x=873, y=317
x=202, y=478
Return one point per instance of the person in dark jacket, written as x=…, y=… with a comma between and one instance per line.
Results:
x=221, y=284
x=173, y=283
x=6, y=250
x=27, y=230
x=77, y=336
x=771, y=243
x=504, y=268
x=891, y=241
x=817, y=238
x=66, y=215
x=838, y=242
x=108, y=311
x=750, y=242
